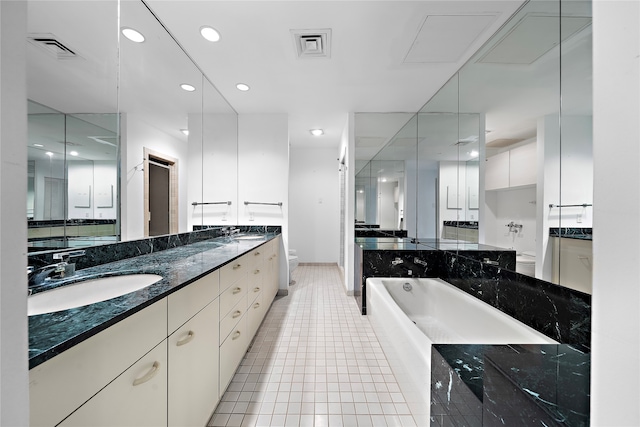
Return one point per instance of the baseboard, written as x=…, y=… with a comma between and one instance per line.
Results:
x=320, y=264
x=282, y=292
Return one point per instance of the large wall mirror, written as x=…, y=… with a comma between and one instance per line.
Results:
x=502, y=154
x=111, y=130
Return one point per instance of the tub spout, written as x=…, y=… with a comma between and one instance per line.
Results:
x=418, y=261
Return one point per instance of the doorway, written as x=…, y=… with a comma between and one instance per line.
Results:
x=161, y=194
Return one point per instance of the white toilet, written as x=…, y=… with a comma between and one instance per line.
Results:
x=526, y=263
x=293, y=263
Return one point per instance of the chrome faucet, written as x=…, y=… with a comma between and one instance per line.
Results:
x=54, y=271
x=397, y=261
x=418, y=261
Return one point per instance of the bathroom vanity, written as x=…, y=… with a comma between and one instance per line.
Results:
x=172, y=346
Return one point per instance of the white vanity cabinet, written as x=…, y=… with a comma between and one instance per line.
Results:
x=166, y=365
x=138, y=397
x=64, y=383
x=193, y=314
x=193, y=369
x=512, y=169
x=271, y=278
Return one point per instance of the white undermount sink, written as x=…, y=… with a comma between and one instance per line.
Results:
x=87, y=292
x=250, y=237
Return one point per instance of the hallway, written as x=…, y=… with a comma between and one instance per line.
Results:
x=315, y=361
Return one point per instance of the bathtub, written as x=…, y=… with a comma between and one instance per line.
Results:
x=433, y=311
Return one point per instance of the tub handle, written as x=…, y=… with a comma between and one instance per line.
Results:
x=490, y=262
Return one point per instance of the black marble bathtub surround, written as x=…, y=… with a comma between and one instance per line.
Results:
x=510, y=385
x=572, y=233
x=102, y=254
x=462, y=224
x=561, y=313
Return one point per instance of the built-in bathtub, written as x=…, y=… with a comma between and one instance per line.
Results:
x=432, y=311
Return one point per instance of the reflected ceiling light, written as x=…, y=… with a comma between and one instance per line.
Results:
x=49, y=153
x=210, y=33
x=185, y=131
x=360, y=191
x=133, y=35
x=316, y=132
x=383, y=180
x=187, y=87
x=473, y=153
x=73, y=153
x=38, y=145
x=243, y=87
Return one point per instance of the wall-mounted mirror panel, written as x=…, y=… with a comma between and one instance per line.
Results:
x=72, y=70
x=504, y=148
x=119, y=105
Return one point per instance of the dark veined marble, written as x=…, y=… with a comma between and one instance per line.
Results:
x=32, y=223
x=462, y=224
x=97, y=255
x=510, y=385
x=572, y=233
x=179, y=264
x=376, y=232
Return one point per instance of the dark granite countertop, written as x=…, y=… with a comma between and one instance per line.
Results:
x=397, y=243
x=473, y=225
x=51, y=334
x=572, y=233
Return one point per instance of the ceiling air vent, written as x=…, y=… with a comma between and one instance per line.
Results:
x=312, y=43
x=52, y=45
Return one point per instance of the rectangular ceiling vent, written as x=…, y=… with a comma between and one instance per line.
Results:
x=312, y=43
x=52, y=45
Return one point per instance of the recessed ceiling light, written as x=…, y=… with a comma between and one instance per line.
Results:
x=243, y=87
x=38, y=145
x=73, y=153
x=316, y=132
x=210, y=33
x=185, y=131
x=49, y=153
x=473, y=153
x=187, y=87
x=383, y=179
x=133, y=35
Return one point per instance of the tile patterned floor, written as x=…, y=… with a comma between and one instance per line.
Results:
x=315, y=361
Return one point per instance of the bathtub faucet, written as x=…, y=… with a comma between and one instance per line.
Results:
x=418, y=261
x=397, y=261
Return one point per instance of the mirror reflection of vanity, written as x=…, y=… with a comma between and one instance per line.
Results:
x=104, y=111
x=502, y=154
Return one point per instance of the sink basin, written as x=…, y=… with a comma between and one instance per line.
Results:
x=250, y=237
x=87, y=292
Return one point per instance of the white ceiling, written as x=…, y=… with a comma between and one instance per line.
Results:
x=380, y=53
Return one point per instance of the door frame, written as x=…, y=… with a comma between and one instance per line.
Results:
x=172, y=164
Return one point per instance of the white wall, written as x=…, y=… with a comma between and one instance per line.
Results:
x=314, y=213
x=347, y=143
x=14, y=391
x=454, y=184
x=263, y=175
x=615, y=374
x=567, y=157
x=52, y=168
x=387, y=205
x=511, y=205
x=213, y=169
x=136, y=135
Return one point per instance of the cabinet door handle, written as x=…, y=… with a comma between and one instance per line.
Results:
x=256, y=254
x=186, y=339
x=236, y=335
x=235, y=267
x=236, y=314
x=256, y=289
x=146, y=377
x=237, y=290
x=256, y=272
x=256, y=305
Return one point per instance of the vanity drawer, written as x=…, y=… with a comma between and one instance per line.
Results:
x=234, y=271
x=185, y=303
x=232, y=351
x=234, y=294
x=256, y=256
x=228, y=322
x=255, y=314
